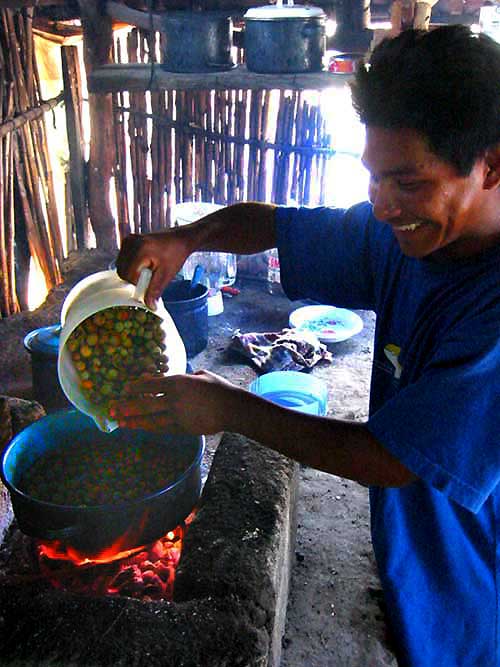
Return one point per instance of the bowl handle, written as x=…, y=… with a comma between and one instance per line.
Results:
x=142, y=284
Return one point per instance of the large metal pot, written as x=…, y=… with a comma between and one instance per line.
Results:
x=197, y=41
x=283, y=39
x=92, y=529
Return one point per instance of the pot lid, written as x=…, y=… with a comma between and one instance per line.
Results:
x=44, y=340
x=281, y=11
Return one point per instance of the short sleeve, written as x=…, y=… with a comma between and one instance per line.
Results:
x=326, y=254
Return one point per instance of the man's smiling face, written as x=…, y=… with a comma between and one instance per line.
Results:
x=428, y=204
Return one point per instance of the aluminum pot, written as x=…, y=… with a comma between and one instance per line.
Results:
x=283, y=39
x=197, y=41
x=91, y=529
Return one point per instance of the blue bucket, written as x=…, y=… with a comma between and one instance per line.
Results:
x=43, y=346
x=188, y=306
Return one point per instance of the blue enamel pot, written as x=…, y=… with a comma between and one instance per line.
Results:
x=91, y=529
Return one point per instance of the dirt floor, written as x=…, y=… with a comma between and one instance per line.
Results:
x=335, y=616
x=335, y=611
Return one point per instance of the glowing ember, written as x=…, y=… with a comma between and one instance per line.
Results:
x=146, y=573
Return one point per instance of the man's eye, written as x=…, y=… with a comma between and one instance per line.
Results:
x=409, y=185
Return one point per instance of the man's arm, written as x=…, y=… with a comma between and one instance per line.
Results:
x=342, y=448
x=244, y=229
x=204, y=403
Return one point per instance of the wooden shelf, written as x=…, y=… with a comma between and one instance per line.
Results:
x=137, y=77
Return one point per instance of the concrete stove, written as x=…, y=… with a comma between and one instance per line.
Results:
x=230, y=593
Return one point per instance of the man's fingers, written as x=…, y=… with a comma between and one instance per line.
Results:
x=127, y=266
x=161, y=277
x=162, y=423
x=158, y=424
x=146, y=406
x=147, y=384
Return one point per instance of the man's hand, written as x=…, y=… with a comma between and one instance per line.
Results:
x=164, y=253
x=196, y=404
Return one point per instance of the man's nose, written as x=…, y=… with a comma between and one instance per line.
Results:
x=385, y=202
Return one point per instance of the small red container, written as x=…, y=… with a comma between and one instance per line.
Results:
x=344, y=63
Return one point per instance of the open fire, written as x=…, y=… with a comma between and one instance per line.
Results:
x=146, y=572
x=230, y=584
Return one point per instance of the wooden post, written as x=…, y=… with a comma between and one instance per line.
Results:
x=97, y=43
x=402, y=13
x=72, y=101
x=422, y=17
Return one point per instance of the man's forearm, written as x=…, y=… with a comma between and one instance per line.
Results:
x=338, y=447
x=243, y=229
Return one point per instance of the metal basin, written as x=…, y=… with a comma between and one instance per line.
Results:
x=91, y=529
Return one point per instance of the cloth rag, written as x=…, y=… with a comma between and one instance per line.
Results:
x=286, y=350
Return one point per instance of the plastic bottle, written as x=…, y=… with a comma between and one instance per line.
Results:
x=273, y=272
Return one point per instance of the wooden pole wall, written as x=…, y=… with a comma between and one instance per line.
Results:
x=29, y=224
x=77, y=226
x=97, y=49
x=159, y=147
x=214, y=146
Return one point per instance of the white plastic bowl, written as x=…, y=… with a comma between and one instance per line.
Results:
x=94, y=293
x=294, y=390
x=329, y=323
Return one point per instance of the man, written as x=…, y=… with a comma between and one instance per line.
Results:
x=425, y=256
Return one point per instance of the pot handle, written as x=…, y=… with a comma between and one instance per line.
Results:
x=220, y=67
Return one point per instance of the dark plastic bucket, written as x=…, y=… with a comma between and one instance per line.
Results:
x=188, y=307
x=43, y=346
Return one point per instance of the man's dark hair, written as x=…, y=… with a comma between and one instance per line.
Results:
x=444, y=83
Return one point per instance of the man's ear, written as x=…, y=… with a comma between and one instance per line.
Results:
x=492, y=159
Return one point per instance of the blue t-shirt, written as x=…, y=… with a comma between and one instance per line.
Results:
x=435, y=405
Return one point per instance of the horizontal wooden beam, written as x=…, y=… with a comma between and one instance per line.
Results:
x=142, y=19
x=21, y=4
x=136, y=77
x=120, y=12
x=15, y=123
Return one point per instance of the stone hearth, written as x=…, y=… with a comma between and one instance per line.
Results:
x=230, y=593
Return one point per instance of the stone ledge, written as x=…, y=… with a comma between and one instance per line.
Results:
x=231, y=589
x=15, y=415
x=243, y=540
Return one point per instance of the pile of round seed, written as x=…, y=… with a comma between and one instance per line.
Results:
x=113, y=346
x=100, y=474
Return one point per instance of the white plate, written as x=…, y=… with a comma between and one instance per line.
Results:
x=330, y=324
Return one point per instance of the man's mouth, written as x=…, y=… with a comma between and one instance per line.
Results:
x=407, y=228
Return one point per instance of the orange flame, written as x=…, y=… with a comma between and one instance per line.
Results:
x=57, y=550
x=147, y=573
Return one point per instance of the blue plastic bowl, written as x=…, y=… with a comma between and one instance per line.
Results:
x=293, y=390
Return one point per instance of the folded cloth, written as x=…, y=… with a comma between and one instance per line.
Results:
x=286, y=350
